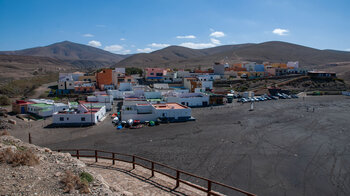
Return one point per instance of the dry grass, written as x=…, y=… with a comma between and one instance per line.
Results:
x=19, y=157
x=4, y=132
x=72, y=182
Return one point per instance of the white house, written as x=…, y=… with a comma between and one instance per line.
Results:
x=182, y=74
x=106, y=100
x=189, y=99
x=82, y=115
x=46, y=109
x=153, y=95
x=101, y=98
x=172, y=112
x=171, y=77
x=249, y=66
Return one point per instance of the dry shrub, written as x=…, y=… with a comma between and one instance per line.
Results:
x=19, y=157
x=72, y=182
x=4, y=132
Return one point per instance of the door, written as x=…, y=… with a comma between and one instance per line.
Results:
x=23, y=110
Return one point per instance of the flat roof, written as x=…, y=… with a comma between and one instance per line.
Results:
x=42, y=105
x=168, y=106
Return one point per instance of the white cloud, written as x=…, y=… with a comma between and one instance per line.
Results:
x=347, y=49
x=217, y=34
x=155, y=45
x=114, y=48
x=88, y=35
x=186, y=37
x=125, y=52
x=215, y=41
x=94, y=43
x=145, y=50
x=197, y=45
x=280, y=32
x=122, y=39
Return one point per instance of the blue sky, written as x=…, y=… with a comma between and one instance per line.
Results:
x=132, y=26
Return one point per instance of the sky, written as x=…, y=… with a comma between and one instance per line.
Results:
x=133, y=26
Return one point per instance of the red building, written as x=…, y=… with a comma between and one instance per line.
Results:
x=104, y=77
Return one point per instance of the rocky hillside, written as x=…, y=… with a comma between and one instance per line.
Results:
x=274, y=51
x=76, y=55
x=31, y=170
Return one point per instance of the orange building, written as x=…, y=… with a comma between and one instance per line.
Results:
x=279, y=65
x=104, y=78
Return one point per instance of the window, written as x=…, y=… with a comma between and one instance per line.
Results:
x=61, y=118
x=67, y=118
x=82, y=118
x=151, y=74
x=159, y=74
x=129, y=80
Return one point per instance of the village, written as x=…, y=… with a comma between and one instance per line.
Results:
x=157, y=95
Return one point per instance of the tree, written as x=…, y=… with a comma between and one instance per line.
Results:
x=133, y=70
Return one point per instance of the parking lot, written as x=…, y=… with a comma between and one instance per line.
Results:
x=282, y=147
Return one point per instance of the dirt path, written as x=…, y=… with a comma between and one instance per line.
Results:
x=137, y=181
x=40, y=90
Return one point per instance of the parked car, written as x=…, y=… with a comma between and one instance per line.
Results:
x=294, y=96
x=274, y=97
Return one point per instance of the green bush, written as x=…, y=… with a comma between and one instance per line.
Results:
x=84, y=176
x=4, y=100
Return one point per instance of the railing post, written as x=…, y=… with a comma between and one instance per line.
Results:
x=177, y=178
x=209, y=188
x=152, y=167
x=133, y=161
x=113, y=156
x=77, y=154
x=95, y=155
x=30, y=138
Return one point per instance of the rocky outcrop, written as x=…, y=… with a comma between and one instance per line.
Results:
x=44, y=177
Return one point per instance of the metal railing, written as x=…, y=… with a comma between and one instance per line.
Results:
x=179, y=173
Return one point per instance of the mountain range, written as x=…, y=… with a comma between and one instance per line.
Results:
x=78, y=55
x=180, y=57
x=83, y=57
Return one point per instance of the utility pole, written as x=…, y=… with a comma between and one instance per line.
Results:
x=91, y=113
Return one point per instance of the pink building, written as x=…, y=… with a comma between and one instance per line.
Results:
x=155, y=74
x=271, y=71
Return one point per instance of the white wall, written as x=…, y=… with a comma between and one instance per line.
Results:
x=153, y=95
x=76, y=118
x=191, y=101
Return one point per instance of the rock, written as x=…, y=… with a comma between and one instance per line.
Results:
x=126, y=193
x=57, y=174
x=48, y=150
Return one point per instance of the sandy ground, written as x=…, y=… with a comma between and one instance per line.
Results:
x=280, y=148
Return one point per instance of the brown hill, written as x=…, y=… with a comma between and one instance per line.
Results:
x=175, y=56
x=78, y=55
x=16, y=66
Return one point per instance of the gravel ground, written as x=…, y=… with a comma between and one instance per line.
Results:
x=283, y=147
